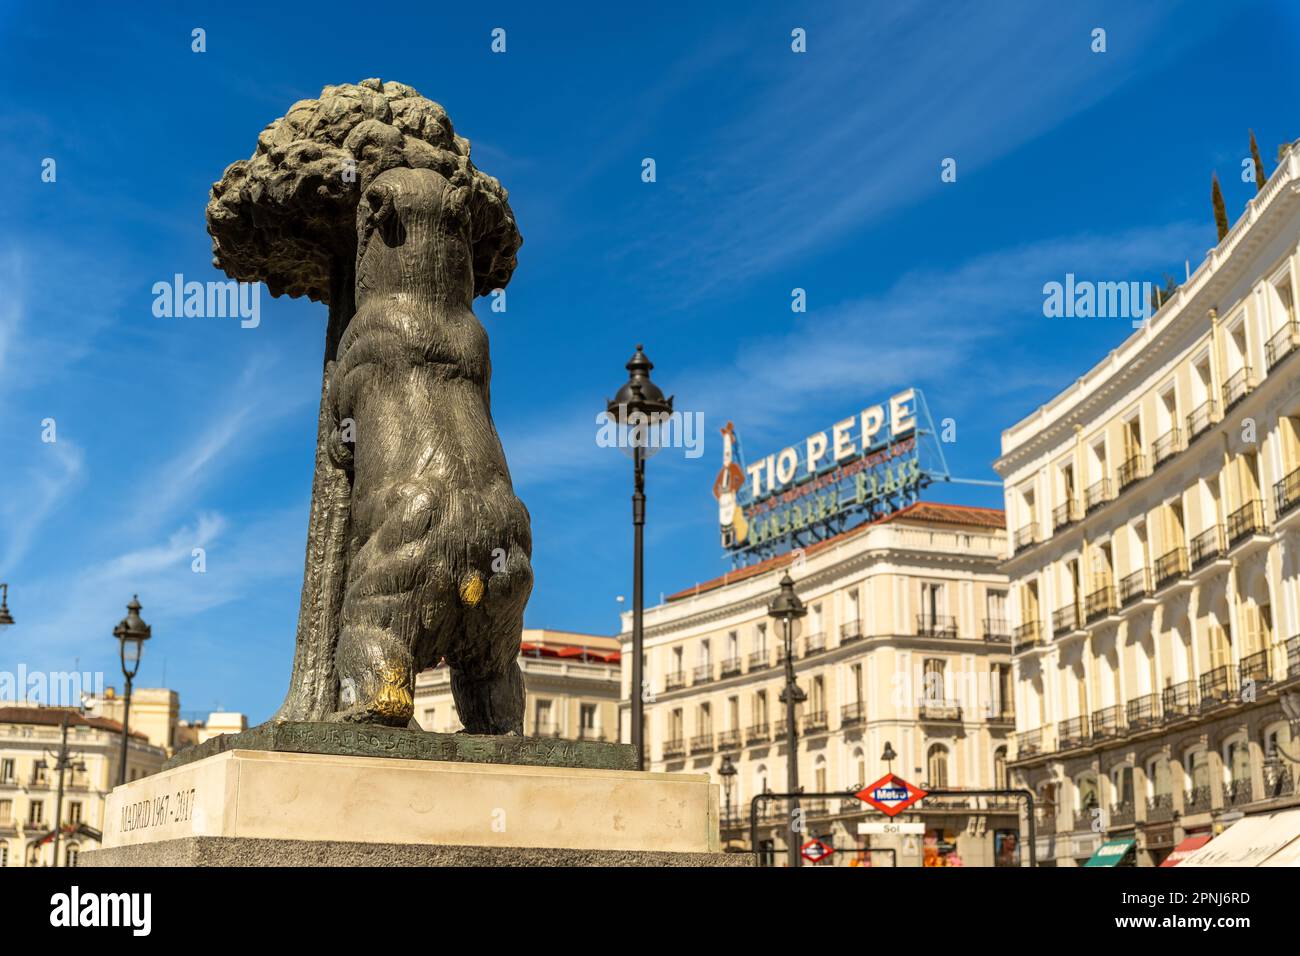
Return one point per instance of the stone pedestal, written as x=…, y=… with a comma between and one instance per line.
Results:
x=243, y=807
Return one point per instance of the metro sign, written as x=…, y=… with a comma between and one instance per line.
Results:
x=814, y=851
x=891, y=794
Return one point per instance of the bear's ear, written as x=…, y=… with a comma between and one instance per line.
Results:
x=381, y=214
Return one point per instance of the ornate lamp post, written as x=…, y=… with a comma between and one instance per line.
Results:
x=728, y=774
x=639, y=404
x=131, y=632
x=788, y=609
x=5, y=617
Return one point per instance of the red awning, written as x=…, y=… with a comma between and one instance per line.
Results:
x=1184, y=849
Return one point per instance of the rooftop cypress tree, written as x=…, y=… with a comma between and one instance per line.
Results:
x=1260, y=177
x=1220, y=210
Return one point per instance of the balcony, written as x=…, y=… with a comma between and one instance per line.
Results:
x=731, y=667
x=1122, y=813
x=1066, y=514
x=996, y=631
x=930, y=625
x=1178, y=700
x=1026, y=536
x=674, y=680
x=937, y=709
x=1166, y=446
x=590, y=733
x=1196, y=800
x=817, y=807
x=1170, y=566
x=814, y=643
x=1201, y=418
x=1293, y=658
x=1029, y=743
x=1072, y=733
x=758, y=660
x=1065, y=619
x=1142, y=712
x=1255, y=667
x=1160, y=808
x=850, y=631
x=1216, y=687
x=1132, y=470
x=1024, y=637
x=1133, y=587
x=757, y=734
x=1237, y=793
x=854, y=713
x=1286, y=493
x=704, y=673
x=1107, y=722
x=729, y=740
x=1207, y=546
x=1005, y=715
x=1237, y=387
x=1100, y=602
x=674, y=748
x=1098, y=494
x=1282, y=343
x=701, y=743
x=1245, y=521
x=815, y=722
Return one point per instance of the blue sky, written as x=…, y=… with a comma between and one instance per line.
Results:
x=775, y=170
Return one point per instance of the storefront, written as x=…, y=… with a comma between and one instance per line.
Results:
x=1115, y=853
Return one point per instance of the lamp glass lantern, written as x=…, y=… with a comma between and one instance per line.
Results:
x=132, y=632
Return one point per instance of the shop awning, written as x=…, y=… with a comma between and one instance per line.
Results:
x=1250, y=841
x=1185, y=849
x=1112, y=853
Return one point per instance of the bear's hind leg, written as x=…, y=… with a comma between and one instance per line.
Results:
x=491, y=704
x=376, y=679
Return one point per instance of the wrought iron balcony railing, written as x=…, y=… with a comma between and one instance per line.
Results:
x=1178, y=700
x=1026, y=535
x=1142, y=712
x=814, y=643
x=760, y=659
x=1133, y=587
x=1196, y=800
x=1207, y=546
x=815, y=722
x=1245, y=521
x=1025, y=636
x=1107, y=722
x=1279, y=781
x=1066, y=514
x=1100, y=602
x=1201, y=418
x=1216, y=686
x=674, y=748
x=1236, y=793
x=1072, y=733
x=1255, y=667
x=853, y=713
x=850, y=631
x=729, y=740
x=1131, y=470
x=731, y=667
x=1029, y=743
x=1170, y=566
x=1282, y=343
x=932, y=708
x=997, y=631
x=1237, y=387
x=701, y=743
x=703, y=673
x=1167, y=445
x=1292, y=658
x=1065, y=619
x=674, y=680
x=1098, y=494
x=780, y=730
x=1160, y=808
x=1122, y=813
x=936, y=625
x=1286, y=493
x=757, y=733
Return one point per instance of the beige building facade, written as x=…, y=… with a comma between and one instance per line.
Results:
x=571, y=681
x=905, y=642
x=1153, y=519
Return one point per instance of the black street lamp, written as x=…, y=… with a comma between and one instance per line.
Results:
x=788, y=609
x=728, y=774
x=131, y=633
x=639, y=405
x=5, y=617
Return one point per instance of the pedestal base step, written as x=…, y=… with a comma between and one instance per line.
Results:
x=244, y=851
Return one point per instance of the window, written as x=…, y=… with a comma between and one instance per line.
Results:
x=675, y=724
x=733, y=713
x=932, y=683
x=74, y=812
x=1123, y=783
x=543, y=719
x=817, y=698
x=760, y=709
x=760, y=639
x=1086, y=789
x=704, y=653
x=430, y=719
x=819, y=775
x=733, y=645
x=4, y=854
x=937, y=761
x=860, y=767
x=6, y=812
x=36, y=813
x=931, y=602
x=7, y=770
x=1158, y=774
x=587, y=719
x=995, y=608
x=704, y=720
x=677, y=660
x=1000, y=769
x=856, y=682
x=73, y=853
